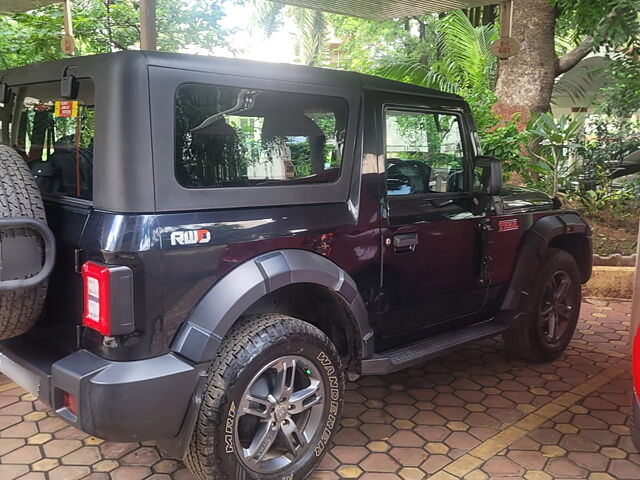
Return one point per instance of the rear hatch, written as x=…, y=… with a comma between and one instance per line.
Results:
x=55, y=135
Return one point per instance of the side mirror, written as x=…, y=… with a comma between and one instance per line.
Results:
x=487, y=176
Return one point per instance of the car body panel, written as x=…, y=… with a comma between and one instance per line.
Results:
x=201, y=258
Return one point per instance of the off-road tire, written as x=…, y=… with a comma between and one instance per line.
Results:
x=19, y=197
x=524, y=340
x=249, y=347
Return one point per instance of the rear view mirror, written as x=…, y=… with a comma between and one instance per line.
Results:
x=487, y=176
x=69, y=86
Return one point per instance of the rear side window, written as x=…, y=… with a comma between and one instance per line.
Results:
x=236, y=137
x=54, y=135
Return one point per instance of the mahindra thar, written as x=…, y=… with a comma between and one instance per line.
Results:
x=198, y=251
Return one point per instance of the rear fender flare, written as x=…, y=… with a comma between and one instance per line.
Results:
x=532, y=251
x=202, y=334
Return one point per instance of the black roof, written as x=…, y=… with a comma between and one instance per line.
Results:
x=52, y=70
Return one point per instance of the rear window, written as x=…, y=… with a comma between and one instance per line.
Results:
x=54, y=135
x=235, y=137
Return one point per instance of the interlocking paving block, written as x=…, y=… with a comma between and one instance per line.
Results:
x=475, y=414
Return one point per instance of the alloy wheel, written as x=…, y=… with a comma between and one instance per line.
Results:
x=556, y=308
x=279, y=414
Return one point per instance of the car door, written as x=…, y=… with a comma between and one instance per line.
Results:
x=431, y=235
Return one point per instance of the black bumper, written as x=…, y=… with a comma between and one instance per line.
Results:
x=635, y=420
x=117, y=401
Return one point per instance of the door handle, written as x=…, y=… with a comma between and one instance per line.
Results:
x=405, y=242
x=444, y=203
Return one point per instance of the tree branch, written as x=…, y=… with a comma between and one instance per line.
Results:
x=572, y=58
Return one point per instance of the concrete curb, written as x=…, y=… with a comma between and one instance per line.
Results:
x=610, y=282
x=615, y=260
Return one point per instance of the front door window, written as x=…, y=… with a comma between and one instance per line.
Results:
x=424, y=153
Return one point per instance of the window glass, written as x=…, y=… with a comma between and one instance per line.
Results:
x=424, y=153
x=233, y=137
x=54, y=135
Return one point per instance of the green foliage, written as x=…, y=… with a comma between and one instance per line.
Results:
x=621, y=95
x=463, y=65
x=422, y=130
x=268, y=16
x=301, y=159
x=602, y=198
x=102, y=26
x=551, y=142
x=506, y=143
x=600, y=151
x=311, y=24
x=367, y=45
x=612, y=23
x=613, y=26
x=607, y=141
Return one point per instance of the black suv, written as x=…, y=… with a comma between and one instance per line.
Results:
x=232, y=238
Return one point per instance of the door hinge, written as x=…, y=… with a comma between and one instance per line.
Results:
x=486, y=240
x=77, y=260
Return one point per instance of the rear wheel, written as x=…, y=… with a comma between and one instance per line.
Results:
x=271, y=405
x=19, y=197
x=551, y=311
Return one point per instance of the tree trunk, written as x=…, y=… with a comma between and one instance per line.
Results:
x=525, y=81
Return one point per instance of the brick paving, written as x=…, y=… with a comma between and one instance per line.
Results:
x=474, y=414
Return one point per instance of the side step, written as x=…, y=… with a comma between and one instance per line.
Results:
x=408, y=356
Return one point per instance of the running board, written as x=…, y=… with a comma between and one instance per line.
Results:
x=403, y=357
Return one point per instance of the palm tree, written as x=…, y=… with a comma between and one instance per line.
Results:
x=464, y=61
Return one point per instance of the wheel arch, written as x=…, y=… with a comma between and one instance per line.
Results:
x=579, y=246
x=256, y=284
x=567, y=231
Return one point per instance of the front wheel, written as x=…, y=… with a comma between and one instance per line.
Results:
x=272, y=402
x=551, y=311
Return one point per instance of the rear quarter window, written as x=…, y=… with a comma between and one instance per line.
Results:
x=239, y=137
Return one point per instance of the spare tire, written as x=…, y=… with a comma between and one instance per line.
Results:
x=19, y=197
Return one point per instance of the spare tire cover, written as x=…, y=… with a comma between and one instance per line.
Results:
x=19, y=197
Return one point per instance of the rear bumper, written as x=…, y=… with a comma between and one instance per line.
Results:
x=118, y=401
x=635, y=419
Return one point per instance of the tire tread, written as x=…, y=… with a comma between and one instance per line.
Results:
x=19, y=197
x=247, y=340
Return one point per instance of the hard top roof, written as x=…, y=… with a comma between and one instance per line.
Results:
x=53, y=70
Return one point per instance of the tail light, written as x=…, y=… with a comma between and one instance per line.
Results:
x=108, y=298
x=96, y=280
x=69, y=401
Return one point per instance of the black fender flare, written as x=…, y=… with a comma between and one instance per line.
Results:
x=535, y=243
x=202, y=334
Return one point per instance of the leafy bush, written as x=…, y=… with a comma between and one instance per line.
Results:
x=506, y=143
x=594, y=201
x=552, y=140
x=621, y=96
x=604, y=145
